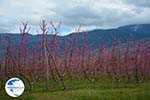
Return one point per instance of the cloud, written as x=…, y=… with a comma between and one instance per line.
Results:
x=142, y=3
x=72, y=13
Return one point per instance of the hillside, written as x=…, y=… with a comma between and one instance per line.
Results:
x=94, y=37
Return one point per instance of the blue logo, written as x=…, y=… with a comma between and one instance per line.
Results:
x=14, y=87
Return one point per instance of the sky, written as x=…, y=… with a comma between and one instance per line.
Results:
x=89, y=14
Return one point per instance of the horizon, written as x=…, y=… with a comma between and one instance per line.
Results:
x=61, y=34
x=100, y=14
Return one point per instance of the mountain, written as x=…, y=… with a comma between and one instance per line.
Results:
x=131, y=32
x=137, y=32
x=137, y=27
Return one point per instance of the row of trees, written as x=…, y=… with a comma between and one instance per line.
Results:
x=130, y=62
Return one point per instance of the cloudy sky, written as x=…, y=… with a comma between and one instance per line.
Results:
x=90, y=14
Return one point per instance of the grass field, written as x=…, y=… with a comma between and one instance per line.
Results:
x=81, y=89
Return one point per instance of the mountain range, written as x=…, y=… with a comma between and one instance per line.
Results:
x=137, y=32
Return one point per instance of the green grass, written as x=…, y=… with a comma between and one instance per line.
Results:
x=81, y=89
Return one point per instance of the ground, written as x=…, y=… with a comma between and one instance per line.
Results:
x=81, y=89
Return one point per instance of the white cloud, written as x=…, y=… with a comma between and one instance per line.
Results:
x=72, y=13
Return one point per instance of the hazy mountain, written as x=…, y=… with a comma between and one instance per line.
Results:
x=136, y=32
x=132, y=32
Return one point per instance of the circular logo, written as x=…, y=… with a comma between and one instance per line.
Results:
x=14, y=87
